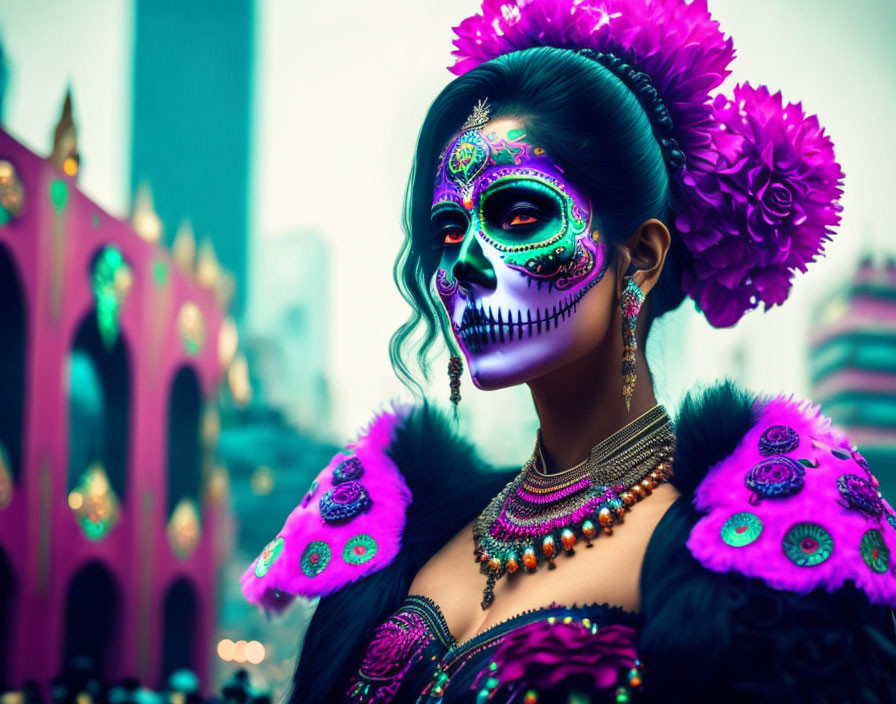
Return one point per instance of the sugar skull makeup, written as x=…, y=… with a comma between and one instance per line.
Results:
x=519, y=253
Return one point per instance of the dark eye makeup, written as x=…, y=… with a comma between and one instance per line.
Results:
x=519, y=209
x=448, y=224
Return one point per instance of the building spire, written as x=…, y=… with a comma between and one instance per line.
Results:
x=65, y=156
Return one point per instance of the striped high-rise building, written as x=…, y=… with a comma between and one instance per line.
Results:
x=853, y=365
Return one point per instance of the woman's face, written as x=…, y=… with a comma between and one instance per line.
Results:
x=521, y=259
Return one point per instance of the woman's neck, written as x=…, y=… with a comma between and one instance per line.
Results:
x=581, y=404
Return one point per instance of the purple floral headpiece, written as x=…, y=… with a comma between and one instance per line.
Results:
x=758, y=194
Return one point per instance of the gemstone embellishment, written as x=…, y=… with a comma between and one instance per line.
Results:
x=741, y=529
x=874, y=551
x=359, y=549
x=777, y=440
x=807, y=544
x=774, y=477
x=348, y=471
x=315, y=558
x=268, y=556
x=860, y=495
x=344, y=502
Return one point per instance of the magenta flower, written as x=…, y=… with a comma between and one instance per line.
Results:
x=677, y=44
x=764, y=212
x=542, y=655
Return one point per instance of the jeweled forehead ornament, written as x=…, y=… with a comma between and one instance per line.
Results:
x=479, y=117
x=468, y=153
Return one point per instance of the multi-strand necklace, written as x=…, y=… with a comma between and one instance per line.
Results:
x=537, y=513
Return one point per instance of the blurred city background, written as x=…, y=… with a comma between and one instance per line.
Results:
x=199, y=210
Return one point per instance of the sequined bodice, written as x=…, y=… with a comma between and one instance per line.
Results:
x=538, y=656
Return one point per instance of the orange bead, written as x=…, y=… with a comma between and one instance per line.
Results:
x=568, y=538
x=529, y=558
x=547, y=546
x=608, y=530
x=627, y=498
x=620, y=514
x=588, y=531
x=494, y=564
x=638, y=491
x=604, y=516
x=645, y=484
x=512, y=564
x=531, y=697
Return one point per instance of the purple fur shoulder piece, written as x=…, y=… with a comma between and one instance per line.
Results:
x=797, y=507
x=347, y=526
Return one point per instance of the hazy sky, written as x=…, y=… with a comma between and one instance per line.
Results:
x=341, y=89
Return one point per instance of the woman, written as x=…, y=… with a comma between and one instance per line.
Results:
x=571, y=185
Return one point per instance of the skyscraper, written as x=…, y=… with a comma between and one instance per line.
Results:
x=191, y=120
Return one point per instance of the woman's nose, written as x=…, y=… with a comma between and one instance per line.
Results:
x=472, y=266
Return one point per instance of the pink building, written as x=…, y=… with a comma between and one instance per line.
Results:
x=110, y=356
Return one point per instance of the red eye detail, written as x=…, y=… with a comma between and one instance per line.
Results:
x=454, y=237
x=522, y=220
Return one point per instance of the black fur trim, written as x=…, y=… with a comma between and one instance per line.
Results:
x=450, y=485
x=710, y=424
x=711, y=637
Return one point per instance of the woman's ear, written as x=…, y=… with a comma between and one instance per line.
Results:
x=643, y=256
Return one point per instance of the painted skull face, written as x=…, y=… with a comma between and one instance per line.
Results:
x=519, y=253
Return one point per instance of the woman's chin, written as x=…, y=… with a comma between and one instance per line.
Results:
x=501, y=366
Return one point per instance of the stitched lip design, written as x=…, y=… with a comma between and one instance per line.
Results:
x=481, y=326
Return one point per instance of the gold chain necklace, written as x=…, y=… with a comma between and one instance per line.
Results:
x=537, y=511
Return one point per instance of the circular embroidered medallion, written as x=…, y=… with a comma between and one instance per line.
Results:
x=348, y=471
x=315, y=558
x=359, y=549
x=268, y=556
x=860, y=495
x=741, y=529
x=874, y=551
x=309, y=494
x=774, y=477
x=344, y=502
x=778, y=439
x=807, y=544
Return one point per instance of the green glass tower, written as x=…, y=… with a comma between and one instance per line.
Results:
x=192, y=95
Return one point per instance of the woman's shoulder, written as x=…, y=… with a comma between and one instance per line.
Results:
x=397, y=493
x=775, y=564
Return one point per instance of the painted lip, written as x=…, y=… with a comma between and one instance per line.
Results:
x=482, y=326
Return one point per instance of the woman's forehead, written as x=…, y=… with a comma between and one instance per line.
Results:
x=476, y=157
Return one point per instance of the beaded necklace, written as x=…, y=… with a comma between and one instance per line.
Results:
x=537, y=511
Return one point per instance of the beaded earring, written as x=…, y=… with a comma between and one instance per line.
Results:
x=631, y=300
x=455, y=370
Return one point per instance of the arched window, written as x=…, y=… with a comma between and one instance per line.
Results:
x=99, y=422
x=179, y=641
x=92, y=620
x=12, y=367
x=184, y=461
x=184, y=452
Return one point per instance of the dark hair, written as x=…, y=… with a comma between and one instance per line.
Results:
x=590, y=112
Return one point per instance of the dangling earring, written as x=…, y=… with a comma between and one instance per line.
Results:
x=455, y=370
x=631, y=300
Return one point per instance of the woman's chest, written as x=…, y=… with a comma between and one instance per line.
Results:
x=607, y=572
x=413, y=657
